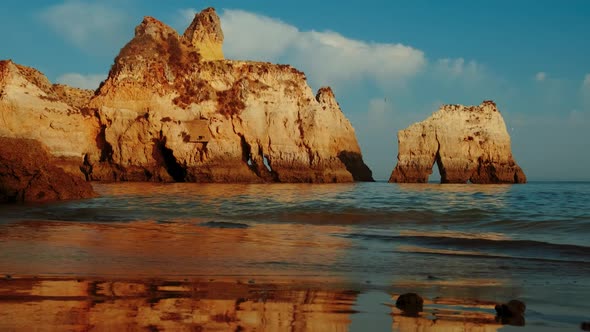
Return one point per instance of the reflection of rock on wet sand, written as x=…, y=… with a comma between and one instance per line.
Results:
x=157, y=305
x=447, y=315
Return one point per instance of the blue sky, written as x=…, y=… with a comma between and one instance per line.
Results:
x=531, y=57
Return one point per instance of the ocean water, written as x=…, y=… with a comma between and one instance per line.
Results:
x=468, y=244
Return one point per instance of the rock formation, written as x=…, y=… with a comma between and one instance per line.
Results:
x=259, y=121
x=32, y=108
x=206, y=35
x=172, y=109
x=28, y=174
x=468, y=143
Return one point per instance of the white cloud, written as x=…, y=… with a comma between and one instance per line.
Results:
x=186, y=16
x=91, y=81
x=586, y=83
x=89, y=25
x=540, y=76
x=459, y=68
x=327, y=57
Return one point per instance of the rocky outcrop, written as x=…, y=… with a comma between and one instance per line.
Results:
x=172, y=109
x=468, y=143
x=28, y=174
x=206, y=35
x=258, y=121
x=32, y=108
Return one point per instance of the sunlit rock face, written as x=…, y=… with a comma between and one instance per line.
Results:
x=468, y=143
x=33, y=108
x=259, y=122
x=172, y=109
x=206, y=35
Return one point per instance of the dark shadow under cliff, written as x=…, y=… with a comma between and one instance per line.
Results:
x=353, y=161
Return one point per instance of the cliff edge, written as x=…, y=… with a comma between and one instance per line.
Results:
x=173, y=109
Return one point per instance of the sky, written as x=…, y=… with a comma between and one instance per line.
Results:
x=390, y=63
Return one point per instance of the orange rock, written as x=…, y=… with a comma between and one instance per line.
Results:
x=468, y=143
x=28, y=174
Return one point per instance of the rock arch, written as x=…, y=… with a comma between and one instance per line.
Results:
x=468, y=143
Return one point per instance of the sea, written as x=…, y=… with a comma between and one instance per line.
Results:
x=462, y=248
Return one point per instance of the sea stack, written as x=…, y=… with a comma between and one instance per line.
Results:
x=174, y=109
x=468, y=143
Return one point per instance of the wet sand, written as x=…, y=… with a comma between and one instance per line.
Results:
x=215, y=276
x=280, y=258
x=224, y=304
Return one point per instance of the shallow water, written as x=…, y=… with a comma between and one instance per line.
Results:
x=468, y=243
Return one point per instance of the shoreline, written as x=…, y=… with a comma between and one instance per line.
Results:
x=223, y=303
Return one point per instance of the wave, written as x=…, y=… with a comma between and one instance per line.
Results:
x=484, y=244
x=479, y=255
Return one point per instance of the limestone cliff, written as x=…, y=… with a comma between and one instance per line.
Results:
x=32, y=108
x=468, y=143
x=172, y=109
x=206, y=35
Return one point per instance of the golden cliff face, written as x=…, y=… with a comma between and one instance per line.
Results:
x=205, y=34
x=255, y=121
x=172, y=109
x=468, y=143
x=32, y=108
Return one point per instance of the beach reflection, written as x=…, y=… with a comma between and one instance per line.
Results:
x=168, y=249
x=123, y=305
x=219, y=305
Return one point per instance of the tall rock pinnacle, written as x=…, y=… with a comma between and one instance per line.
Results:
x=205, y=34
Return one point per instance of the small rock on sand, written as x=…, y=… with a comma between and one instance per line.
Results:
x=410, y=303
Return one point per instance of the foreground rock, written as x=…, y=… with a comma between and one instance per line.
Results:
x=173, y=109
x=33, y=108
x=468, y=143
x=410, y=303
x=511, y=313
x=28, y=174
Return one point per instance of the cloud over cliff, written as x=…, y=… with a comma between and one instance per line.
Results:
x=327, y=57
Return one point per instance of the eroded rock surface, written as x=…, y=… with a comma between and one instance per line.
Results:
x=468, y=143
x=172, y=109
x=28, y=174
x=33, y=108
x=205, y=34
x=258, y=121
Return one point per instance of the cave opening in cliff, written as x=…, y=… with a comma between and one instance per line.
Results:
x=106, y=149
x=436, y=174
x=165, y=157
x=353, y=161
x=267, y=163
x=247, y=155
